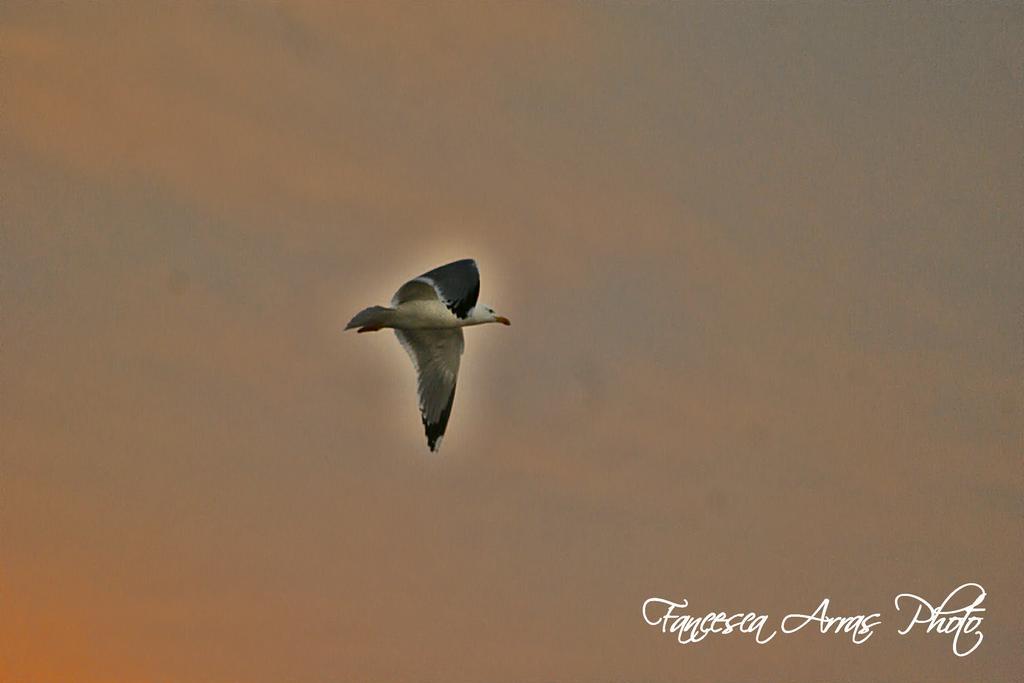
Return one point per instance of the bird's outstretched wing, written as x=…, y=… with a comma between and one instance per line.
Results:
x=457, y=284
x=436, y=355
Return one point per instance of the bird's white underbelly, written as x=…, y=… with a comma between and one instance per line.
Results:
x=422, y=315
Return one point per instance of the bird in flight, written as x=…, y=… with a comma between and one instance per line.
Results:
x=428, y=314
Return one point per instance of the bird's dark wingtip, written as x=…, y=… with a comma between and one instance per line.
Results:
x=435, y=430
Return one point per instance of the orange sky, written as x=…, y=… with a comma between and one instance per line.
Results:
x=763, y=264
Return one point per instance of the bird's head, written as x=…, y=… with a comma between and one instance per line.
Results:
x=482, y=313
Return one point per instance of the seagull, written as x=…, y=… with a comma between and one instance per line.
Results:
x=427, y=314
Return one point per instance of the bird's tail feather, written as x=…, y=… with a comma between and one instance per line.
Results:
x=372, y=318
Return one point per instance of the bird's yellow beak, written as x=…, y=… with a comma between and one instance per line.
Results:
x=503, y=320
